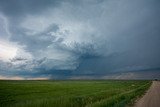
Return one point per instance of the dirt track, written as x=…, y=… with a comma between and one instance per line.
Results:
x=151, y=98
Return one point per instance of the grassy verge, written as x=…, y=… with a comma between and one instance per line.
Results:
x=122, y=99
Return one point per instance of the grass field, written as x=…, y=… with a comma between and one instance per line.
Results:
x=70, y=93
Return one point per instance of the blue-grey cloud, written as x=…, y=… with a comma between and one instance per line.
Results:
x=80, y=39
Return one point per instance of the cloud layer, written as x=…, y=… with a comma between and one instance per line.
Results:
x=87, y=38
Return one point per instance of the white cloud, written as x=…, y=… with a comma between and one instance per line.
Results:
x=10, y=50
x=7, y=51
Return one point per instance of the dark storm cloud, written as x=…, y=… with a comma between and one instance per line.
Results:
x=21, y=7
x=83, y=39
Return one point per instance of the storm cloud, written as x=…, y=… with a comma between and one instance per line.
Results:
x=69, y=39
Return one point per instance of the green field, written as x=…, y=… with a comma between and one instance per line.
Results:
x=70, y=93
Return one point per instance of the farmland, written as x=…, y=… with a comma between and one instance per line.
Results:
x=77, y=93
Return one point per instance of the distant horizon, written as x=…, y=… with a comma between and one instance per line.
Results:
x=79, y=79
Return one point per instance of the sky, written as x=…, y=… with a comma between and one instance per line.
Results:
x=79, y=39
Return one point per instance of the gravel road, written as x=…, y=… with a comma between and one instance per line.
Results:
x=151, y=98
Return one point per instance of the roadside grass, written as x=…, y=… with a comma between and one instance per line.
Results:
x=70, y=93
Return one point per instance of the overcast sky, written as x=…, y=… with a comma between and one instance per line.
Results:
x=79, y=39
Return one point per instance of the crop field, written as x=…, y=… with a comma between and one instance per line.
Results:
x=86, y=93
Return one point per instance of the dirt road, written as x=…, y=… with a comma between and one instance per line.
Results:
x=151, y=98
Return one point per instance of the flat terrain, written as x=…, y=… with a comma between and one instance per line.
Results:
x=151, y=98
x=70, y=93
